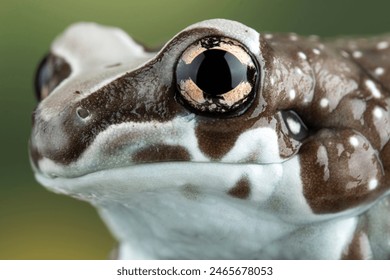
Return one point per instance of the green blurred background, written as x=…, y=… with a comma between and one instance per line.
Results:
x=37, y=224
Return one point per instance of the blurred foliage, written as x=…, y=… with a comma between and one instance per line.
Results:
x=36, y=224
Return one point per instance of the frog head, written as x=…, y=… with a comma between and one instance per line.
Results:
x=224, y=127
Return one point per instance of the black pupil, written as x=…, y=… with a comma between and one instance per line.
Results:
x=217, y=71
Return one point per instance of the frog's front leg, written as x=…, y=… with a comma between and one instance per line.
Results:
x=345, y=176
x=344, y=173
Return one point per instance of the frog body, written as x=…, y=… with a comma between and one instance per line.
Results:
x=227, y=143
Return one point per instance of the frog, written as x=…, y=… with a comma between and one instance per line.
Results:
x=226, y=143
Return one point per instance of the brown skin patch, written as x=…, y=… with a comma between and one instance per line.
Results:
x=241, y=189
x=217, y=136
x=357, y=248
x=215, y=144
x=161, y=153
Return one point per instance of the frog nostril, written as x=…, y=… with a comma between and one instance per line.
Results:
x=82, y=113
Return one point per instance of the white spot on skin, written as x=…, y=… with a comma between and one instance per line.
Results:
x=293, y=37
x=357, y=54
x=340, y=149
x=302, y=55
x=316, y=51
x=294, y=126
x=272, y=81
x=359, y=108
x=324, y=102
x=354, y=141
x=292, y=94
x=378, y=113
x=382, y=45
x=268, y=36
x=298, y=71
x=372, y=184
x=323, y=161
x=372, y=87
x=345, y=54
x=379, y=71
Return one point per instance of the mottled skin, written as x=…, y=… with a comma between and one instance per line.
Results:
x=339, y=105
x=302, y=171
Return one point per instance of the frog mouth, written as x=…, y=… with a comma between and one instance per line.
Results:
x=160, y=176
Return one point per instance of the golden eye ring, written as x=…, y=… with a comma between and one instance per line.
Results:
x=216, y=75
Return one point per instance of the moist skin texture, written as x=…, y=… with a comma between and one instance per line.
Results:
x=297, y=170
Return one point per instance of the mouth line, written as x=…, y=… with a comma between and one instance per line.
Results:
x=154, y=175
x=55, y=176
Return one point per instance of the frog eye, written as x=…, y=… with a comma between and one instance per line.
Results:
x=296, y=127
x=216, y=75
x=50, y=73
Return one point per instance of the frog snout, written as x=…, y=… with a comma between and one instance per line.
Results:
x=57, y=136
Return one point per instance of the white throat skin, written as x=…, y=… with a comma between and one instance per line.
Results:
x=211, y=229
x=155, y=216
